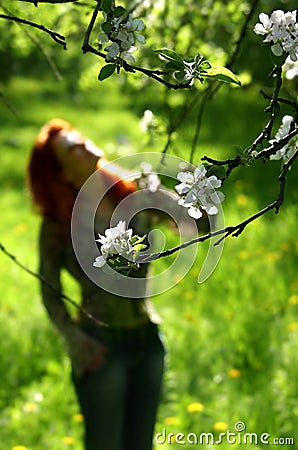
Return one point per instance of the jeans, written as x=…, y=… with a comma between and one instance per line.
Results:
x=119, y=401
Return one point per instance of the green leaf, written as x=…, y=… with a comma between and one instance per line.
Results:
x=119, y=11
x=222, y=74
x=198, y=59
x=170, y=55
x=106, y=71
x=174, y=65
x=181, y=77
x=205, y=65
x=106, y=27
x=106, y=5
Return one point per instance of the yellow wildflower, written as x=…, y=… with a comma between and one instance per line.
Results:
x=68, y=440
x=19, y=447
x=29, y=407
x=293, y=299
x=171, y=420
x=293, y=326
x=78, y=417
x=195, y=407
x=234, y=373
x=242, y=200
x=21, y=228
x=272, y=256
x=243, y=254
x=220, y=426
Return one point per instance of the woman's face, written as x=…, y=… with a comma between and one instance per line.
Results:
x=77, y=156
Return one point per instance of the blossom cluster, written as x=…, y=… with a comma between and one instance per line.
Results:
x=291, y=147
x=122, y=33
x=119, y=242
x=281, y=31
x=147, y=178
x=149, y=122
x=198, y=193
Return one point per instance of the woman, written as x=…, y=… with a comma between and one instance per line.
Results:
x=114, y=345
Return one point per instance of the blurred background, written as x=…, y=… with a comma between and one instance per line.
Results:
x=232, y=341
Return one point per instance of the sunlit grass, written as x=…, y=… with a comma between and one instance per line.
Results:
x=232, y=341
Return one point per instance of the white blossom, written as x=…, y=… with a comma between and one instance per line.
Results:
x=291, y=147
x=112, y=51
x=148, y=179
x=280, y=31
x=148, y=122
x=123, y=36
x=116, y=241
x=290, y=69
x=198, y=192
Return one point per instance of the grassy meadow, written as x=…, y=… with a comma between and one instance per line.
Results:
x=232, y=341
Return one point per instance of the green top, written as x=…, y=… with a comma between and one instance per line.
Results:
x=56, y=254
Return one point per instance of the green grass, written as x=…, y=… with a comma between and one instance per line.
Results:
x=232, y=341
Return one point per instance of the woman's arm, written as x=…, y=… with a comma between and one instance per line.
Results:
x=85, y=352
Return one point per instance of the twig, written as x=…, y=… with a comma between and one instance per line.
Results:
x=242, y=34
x=8, y=104
x=208, y=93
x=54, y=35
x=86, y=47
x=285, y=101
x=276, y=145
x=215, y=86
x=44, y=281
x=174, y=126
x=234, y=230
x=282, y=179
x=231, y=164
x=273, y=108
x=155, y=74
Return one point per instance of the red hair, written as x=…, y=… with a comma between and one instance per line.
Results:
x=52, y=194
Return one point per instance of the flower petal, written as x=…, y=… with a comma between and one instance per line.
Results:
x=100, y=261
x=196, y=213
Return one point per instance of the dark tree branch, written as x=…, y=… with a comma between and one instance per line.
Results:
x=40, y=47
x=273, y=108
x=264, y=154
x=230, y=163
x=59, y=38
x=213, y=87
x=8, y=104
x=234, y=230
x=155, y=74
x=86, y=47
x=282, y=180
x=242, y=34
x=285, y=101
x=276, y=145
